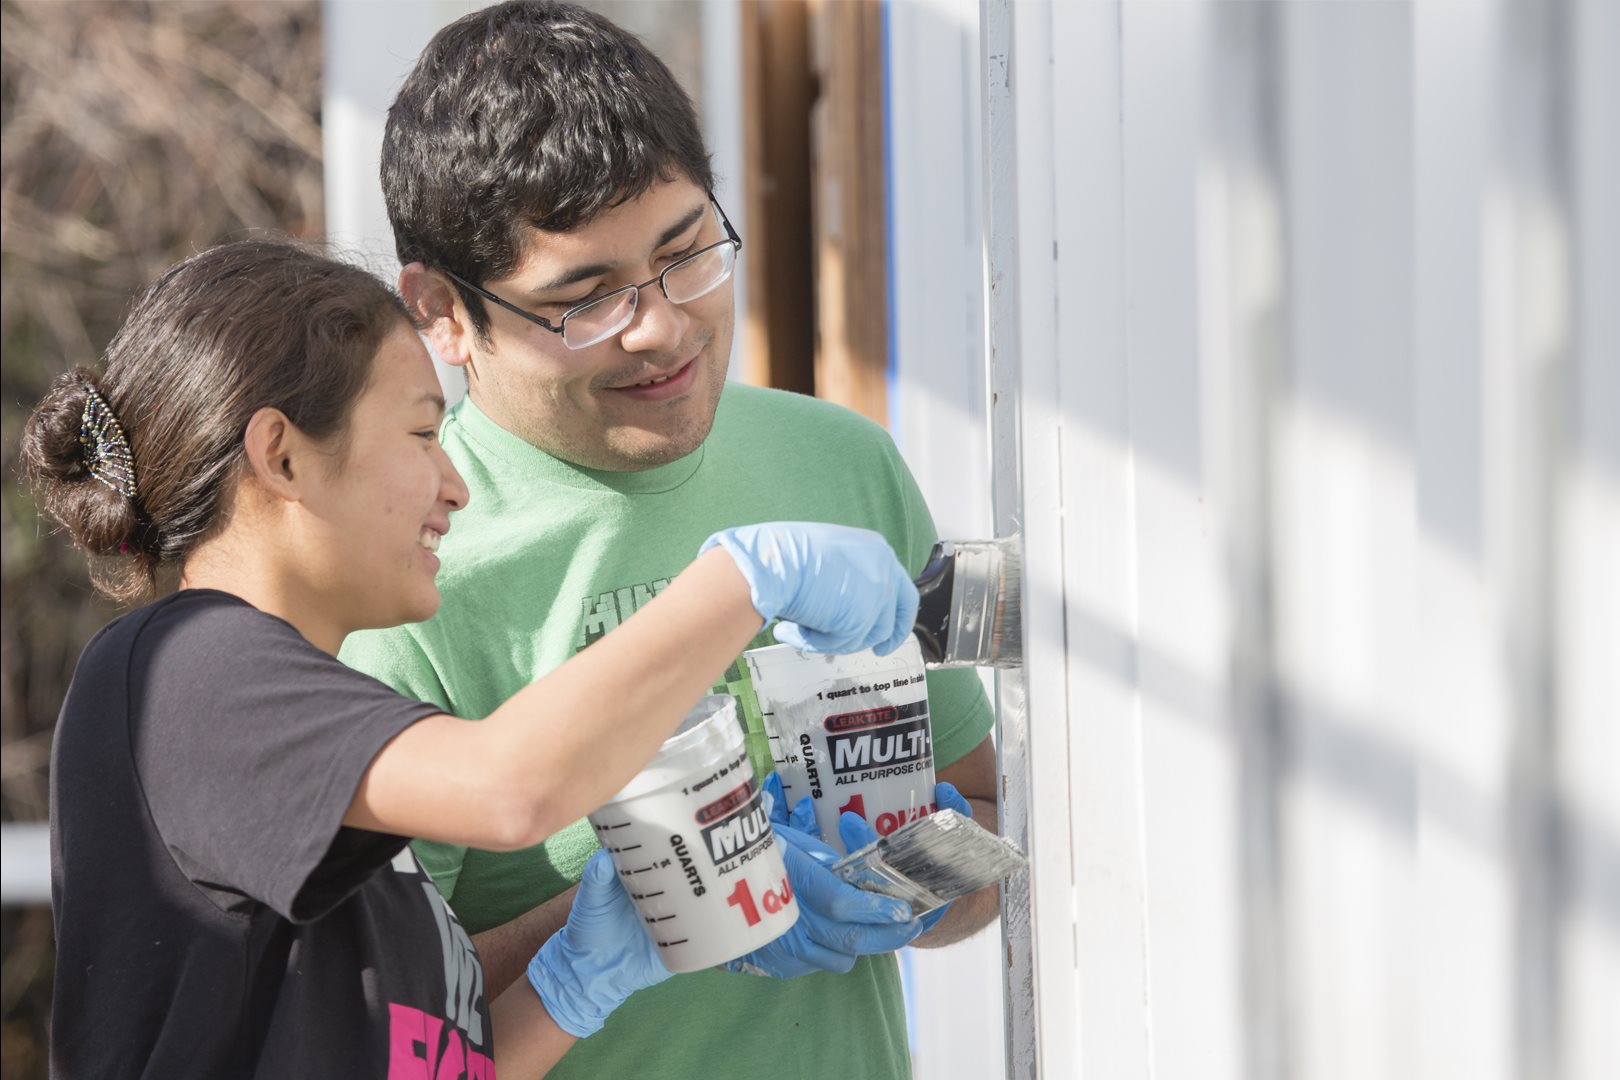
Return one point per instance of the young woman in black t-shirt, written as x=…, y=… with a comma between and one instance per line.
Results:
x=230, y=805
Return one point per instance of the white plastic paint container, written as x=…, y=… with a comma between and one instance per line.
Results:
x=850, y=731
x=692, y=842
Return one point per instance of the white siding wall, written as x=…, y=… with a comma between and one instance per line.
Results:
x=1301, y=322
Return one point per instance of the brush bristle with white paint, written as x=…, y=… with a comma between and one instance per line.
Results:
x=931, y=861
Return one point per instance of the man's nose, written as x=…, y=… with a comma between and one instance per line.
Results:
x=657, y=323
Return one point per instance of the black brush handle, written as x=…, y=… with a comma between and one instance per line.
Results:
x=934, y=584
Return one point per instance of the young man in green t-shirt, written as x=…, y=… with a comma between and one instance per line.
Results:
x=552, y=202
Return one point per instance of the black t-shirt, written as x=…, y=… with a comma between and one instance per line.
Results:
x=214, y=917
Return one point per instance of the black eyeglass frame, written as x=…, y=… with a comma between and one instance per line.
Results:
x=545, y=324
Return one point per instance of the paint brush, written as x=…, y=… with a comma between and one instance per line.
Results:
x=931, y=861
x=971, y=604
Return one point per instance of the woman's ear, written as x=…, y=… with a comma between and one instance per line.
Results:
x=438, y=312
x=273, y=447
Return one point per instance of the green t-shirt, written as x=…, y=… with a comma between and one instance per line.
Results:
x=546, y=558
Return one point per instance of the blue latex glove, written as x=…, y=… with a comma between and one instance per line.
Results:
x=856, y=833
x=837, y=921
x=837, y=589
x=599, y=958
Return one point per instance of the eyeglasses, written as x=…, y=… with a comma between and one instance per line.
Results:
x=598, y=319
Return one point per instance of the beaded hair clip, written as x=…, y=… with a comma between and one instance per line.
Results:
x=103, y=447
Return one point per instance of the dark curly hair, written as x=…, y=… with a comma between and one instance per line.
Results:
x=527, y=114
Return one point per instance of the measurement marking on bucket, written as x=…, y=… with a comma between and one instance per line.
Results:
x=781, y=758
x=699, y=803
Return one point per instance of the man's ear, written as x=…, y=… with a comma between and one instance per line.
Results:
x=276, y=454
x=438, y=312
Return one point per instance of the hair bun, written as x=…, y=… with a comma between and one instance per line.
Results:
x=98, y=518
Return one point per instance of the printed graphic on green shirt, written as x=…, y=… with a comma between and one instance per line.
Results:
x=603, y=612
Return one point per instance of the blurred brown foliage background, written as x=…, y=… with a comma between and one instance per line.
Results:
x=133, y=135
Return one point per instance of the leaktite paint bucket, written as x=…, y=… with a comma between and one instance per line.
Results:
x=851, y=731
x=692, y=842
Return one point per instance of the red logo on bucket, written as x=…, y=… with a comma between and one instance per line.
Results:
x=725, y=804
x=866, y=718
